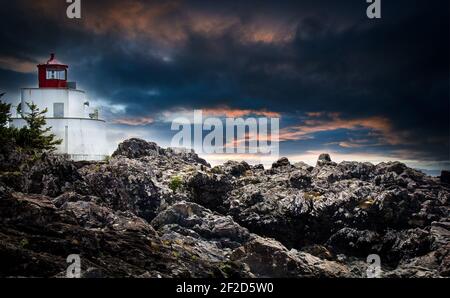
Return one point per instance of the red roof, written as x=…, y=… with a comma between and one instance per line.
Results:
x=53, y=61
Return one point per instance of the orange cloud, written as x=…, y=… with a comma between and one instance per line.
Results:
x=169, y=23
x=380, y=125
x=134, y=121
x=17, y=65
x=220, y=111
x=236, y=113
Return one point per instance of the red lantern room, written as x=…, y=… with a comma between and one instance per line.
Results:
x=53, y=74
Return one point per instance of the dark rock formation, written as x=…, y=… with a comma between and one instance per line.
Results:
x=445, y=177
x=150, y=212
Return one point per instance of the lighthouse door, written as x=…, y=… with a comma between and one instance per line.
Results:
x=58, y=110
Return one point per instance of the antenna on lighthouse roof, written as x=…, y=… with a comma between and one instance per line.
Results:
x=52, y=57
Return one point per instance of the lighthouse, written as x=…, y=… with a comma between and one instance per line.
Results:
x=69, y=113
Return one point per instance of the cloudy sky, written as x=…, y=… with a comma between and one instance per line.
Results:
x=341, y=83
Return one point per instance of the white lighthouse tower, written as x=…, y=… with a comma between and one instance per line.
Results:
x=69, y=114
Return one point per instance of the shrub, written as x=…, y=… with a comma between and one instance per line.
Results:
x=175, y=183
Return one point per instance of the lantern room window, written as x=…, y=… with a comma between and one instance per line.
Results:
x=56, y=74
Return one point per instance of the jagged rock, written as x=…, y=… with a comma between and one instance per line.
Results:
x=11, y=159
x=282, y=162
x=233, y=168
x=51, y=175
x=303, y=166
x=75, y=197
x=386, y=167
x=36, y=238
x=445, y=177
x=319, y=251
x=187, y=155
x=124, y=184
x=324, y=221
x=440, y=235
x=300, y=179
x=269, y=258
x=257, y=167
x=406, y=244
x=203, y=222
x=355, y=242
x=137, y=148
x=324, y=159
x=209, y=189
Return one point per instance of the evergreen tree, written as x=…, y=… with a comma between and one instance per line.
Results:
x=35, y=136
x=5, y=115
x=6, y=133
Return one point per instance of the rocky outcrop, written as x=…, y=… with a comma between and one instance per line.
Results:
x=137, y=148
x=268, y=258
x=150, y=211
x=445, y=177
x=37, y=237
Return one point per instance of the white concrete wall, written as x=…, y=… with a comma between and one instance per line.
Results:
x=44, y=98
x=84, y=139
x=73, y=101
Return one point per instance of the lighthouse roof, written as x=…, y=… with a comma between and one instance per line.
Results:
x=54, y=61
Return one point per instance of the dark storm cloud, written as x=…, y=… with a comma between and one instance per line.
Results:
x=291, y=57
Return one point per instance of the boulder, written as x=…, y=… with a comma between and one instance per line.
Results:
x=269, y=258
x=445, y=177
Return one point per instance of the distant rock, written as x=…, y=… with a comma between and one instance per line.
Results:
x=137, y=148
x=324, y=159
x=282, y=162
x=233, y=168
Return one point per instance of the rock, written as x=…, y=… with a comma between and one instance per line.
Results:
x=163, y=212
x=303, y=166
x=445, y=177
x=387, y=167
x=319, y=251
x=406, y=244
x=258, y=167
x=269, y=258
x=36, y=238
x=300, y=179
x=51, y=175
x=233, y=168
x=209, y=190
x=203, y=222
x=282, y=162
x=136, y=148
x=324, y=159
x=123, y=184
x=187, y=155
x=440, y=235
x=355, y=242
x=75, y=197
